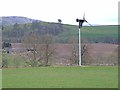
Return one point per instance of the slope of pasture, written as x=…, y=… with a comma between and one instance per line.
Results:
x=60, y=77
x=93, y=31
x=105, y=34
x=100, y=31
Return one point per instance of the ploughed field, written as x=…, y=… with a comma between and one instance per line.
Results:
x=96, y=53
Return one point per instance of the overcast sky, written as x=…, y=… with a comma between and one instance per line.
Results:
x=96, y=11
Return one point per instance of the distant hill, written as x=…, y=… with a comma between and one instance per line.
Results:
x=10, y=20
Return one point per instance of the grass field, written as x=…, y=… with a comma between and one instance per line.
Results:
x=0, y=79
x=61, y=77
x=94, y=32
x=91, y=34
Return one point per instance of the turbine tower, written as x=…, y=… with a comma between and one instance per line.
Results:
x=81, y=21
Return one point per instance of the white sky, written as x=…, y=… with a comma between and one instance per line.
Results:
x=96, y=11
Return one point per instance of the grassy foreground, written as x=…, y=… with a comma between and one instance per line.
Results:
x=61, y=77
x=0, y=79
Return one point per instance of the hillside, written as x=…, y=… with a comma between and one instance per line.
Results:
x=61, y=32
x=10, y=20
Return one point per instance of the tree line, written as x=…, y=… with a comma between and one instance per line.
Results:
x=17, y=31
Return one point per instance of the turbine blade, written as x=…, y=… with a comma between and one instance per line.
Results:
x=88, y=22
x=84, y=16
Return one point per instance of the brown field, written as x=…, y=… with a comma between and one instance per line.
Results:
x=99, y=53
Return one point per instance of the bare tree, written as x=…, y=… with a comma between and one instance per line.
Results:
x=31, y=43
x=113, y=58
x=4, y=60
x=84, y=52
x=39, y=49
x=74, y=51
x=48, y=48
x=86, y=58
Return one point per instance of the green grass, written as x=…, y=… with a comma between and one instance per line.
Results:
x=93, y=34
x=13, y=60
x=0, y=79
x=61, y=77
x=100, y=31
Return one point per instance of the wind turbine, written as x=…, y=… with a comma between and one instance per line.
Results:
x=81, y=21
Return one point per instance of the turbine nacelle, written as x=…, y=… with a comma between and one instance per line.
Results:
x=81, y=21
